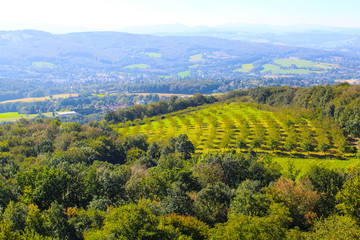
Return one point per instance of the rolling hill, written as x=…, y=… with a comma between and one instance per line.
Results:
x=31, y=54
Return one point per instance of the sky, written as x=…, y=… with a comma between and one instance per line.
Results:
x=82, y=15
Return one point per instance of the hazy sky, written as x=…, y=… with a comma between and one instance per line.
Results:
x=115, y=14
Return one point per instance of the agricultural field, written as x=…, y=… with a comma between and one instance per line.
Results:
x=139, y=66
x=288, y=62
x=184, y=74
x=245, y=68
x=41, y=99
x=14, y=116
x=43, y=65
x=154, y=55
x=278, y=70
x=195, y=58
x=296, y=66
x=239, y=126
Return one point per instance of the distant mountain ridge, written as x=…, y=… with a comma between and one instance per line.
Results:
x=300, y=35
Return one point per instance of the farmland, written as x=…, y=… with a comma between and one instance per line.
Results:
x=154, y=55
x=14, y=116
x=245, y=68
x=238, y=126
x=288, y=62
x=195, y=58
x=184, y=74
x=43, y=65
x=296, y=66
x=41, y=99
x=140, y=66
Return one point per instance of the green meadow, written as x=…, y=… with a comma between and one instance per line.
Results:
x=195, y=58
x=140, y=66
x=154, y=55
x=184, y=74
x=296, y=66
x=278, y=70
x=43, y=65
x=14, y=116
x=245, y=68
x=288, y=62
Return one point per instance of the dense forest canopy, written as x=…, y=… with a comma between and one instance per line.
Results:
x=64, y=180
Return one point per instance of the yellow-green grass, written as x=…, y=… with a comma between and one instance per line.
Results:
x=198, y=124
x=154, y=55
x=43, y=65
x=302, y=66
x=10, y=114
x=277, y=70
x=245, y=68
x=288, y=62
x=14, y=116
x=141, y=66
x=195, y=58
x=304, y=164
x=184, y=74
x=41, y=99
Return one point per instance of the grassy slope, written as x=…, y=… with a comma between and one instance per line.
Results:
x=195, y=58
x=184, y=74
x=245, y=68
x=304, y=164
x=140, y=66
x=154, y=55
x=208, y=127
x=287, y=62
x=14, y=116
x=277, y=70
x=303, y=66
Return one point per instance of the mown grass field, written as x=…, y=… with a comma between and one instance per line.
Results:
x=184, y=74
x=14, y=116
x=245, y=68
x=303, y=165
x=285, y=66
x=43, y=65
x=277, y=70
x=287, y=62
x=140, y=66
x=154, y=55
x=195, y=58
x=41, y=99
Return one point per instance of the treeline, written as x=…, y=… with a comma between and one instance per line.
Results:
x=178, y=87
x=82, y=103
x=15, y=89
x=159, y=108
x=72, y=181
x=340, y=102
